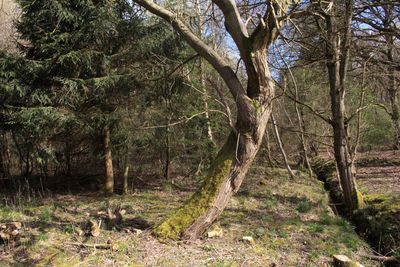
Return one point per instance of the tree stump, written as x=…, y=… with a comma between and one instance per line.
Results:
x=344, y=261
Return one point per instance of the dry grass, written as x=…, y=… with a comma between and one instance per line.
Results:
x=289, y=219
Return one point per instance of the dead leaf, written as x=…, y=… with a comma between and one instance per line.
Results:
x=94, y=228
x=79, y=231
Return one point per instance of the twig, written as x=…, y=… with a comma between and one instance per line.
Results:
x=97, y=246
x=382, y=258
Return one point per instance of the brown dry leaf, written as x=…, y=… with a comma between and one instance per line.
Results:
x=4, y=236
x=79, y=231
x=94, y=228
x=17, y=225
x=137, y=231
x=14, y=233
x=122, y=212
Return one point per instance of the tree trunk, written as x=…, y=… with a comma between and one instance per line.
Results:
x=392, y=90
x=108, y=165
x=68, y=158
x=5, y=161
x=202, y=76
x=342, y=156
x=337, y=55
x=167, y=161
x=395, y=114
x=223, y=180
x=125, y=176
x=281, y=148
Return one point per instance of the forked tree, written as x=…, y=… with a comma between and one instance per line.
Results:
x=338, y=41
x=253, y=99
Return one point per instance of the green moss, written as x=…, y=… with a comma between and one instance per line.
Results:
x=379, y=220
x=360, y=200
x=197, y=205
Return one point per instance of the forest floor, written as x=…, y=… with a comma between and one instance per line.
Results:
x=378, y=172
x=289, y=219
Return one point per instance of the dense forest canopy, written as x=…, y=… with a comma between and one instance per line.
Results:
x=115, y=96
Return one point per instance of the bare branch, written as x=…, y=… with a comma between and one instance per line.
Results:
x=217, y=61
x=316, y=113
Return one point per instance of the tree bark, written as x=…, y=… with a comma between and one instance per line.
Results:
x=125, y=177
x=392, y=90
x=337, y=55
x=167, y=161
x=108, y=165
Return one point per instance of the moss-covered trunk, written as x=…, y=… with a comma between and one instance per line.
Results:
x=223, y=179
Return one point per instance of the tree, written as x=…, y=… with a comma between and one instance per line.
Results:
x=330, y=44
x=338, y=39
x=378, y=33
x=253, y=103
x=73, y=44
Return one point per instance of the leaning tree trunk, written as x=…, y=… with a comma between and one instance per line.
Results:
x=223, y=180
x=108, y=166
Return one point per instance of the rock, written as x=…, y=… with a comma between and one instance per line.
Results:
x=344, y=261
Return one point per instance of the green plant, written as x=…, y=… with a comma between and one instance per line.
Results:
x=69, y=228
x=43, y=237
x=46, y=215
x=315, y=228
x=303, y=206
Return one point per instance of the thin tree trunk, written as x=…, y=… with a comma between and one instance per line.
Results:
x=394, y=104
x=108, y=165
x=68, y=158
x=202, y=76
x=27, y=163
x=280, y=145
x=125, y=175
x=167, y=161
x=5, y=160
x=300, y=119
x=269, y=157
